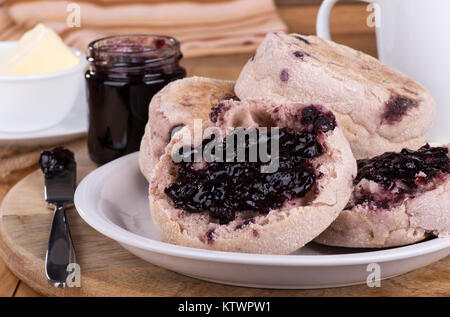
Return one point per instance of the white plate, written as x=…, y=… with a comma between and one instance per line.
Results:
x=73, y=126
x=113, y=200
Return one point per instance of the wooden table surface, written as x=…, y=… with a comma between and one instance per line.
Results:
x=348, y=24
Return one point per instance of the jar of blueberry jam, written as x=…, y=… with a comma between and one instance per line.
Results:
x=125, y=72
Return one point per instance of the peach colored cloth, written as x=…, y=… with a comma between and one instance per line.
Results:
x=198, y=24
x=9, y=30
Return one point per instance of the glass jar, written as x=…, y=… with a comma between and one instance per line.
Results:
x=125, y=72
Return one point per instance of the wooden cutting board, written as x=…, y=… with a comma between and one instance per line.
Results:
x=109, y=270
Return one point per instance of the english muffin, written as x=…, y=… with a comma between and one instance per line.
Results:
x=399, y=198
x=176, y=105
x=379, y=109
x=237, y=205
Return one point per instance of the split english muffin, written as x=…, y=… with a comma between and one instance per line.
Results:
x=399, y=199
x=233, y=205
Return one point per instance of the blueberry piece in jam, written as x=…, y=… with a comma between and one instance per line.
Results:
x=56, y=161
x=317, y=120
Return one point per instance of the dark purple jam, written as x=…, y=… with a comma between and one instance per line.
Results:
x=125, y=73
x=56, y=161
x=315, y=119
x=405, y=166
x=222, y=188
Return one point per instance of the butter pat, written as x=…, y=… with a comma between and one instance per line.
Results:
x=39, y=50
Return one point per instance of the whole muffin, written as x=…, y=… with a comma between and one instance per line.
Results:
x=378, y=108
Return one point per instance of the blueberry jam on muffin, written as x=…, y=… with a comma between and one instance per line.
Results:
x=399, y=198
x=285, y=178
x=400, y=176
x=222, y=188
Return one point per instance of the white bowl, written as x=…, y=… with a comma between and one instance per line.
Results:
x=40, y=101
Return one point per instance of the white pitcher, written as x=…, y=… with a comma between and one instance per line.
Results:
x=413, y=36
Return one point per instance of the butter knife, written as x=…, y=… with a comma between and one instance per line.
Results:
x=59, y=168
